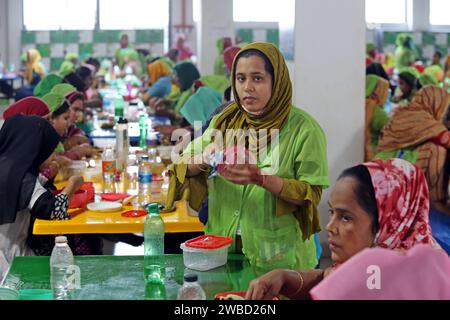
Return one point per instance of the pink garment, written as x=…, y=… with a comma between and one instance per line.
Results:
x=184, y=50
x=228, y=56
x=421, y=272
x=89, y=93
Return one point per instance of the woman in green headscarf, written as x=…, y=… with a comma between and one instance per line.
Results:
x=377, y=91
x=69, y=64
x=219, y=64
x=407, y=88
x=405, y=53
x=269, y=208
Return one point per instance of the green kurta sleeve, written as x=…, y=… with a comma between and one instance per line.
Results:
x=311, y=175
x=307, y=214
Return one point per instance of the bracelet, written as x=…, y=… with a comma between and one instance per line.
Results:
x=302, y=282
x=263, y=180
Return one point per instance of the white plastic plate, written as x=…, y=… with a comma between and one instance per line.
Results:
x=104, y=206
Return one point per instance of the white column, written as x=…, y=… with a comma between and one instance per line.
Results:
x=330, y=78
x=15, y=25
x=216, y=20
x=177, y=19
x=4, y=32
x=421, y=15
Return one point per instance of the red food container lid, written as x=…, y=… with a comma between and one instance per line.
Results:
x=114, y=196
x=134, y=213
x=209, y=242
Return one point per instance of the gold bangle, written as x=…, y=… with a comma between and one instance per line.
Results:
x=302, y=282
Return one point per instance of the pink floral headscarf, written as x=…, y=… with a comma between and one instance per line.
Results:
x=401, y=193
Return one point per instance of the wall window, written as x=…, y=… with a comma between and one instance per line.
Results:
x=261, y=10
x=439, y=12
x=59, y=15
x=386, y=11
x=134, y=14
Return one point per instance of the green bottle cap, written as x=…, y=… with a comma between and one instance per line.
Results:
x=153, y=208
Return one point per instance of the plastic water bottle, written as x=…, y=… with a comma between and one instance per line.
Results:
x=122, y=144
x=191, y=289
x=143, y=131
x=60, y=262
x=387, y=105
x=118, y=107
x=155, y=290
x=154, y=266
x=145, y=179
x=108, y=169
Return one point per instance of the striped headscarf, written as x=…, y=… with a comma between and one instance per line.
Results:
x=417, y=122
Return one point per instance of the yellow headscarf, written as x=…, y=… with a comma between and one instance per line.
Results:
x=157, y=70
x=33, y=64
x=279, y=105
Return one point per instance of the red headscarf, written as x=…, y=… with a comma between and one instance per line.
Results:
x=228, y=56
x=401, y=192
x=73, y=96
x=29, y=106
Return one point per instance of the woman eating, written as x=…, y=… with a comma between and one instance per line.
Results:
x=26, y=144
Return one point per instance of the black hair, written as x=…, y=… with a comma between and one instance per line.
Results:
x=144, y=52
x=93, y=62
x=364, y=192
x=438, y=52
x=227, y=94
x=83, y=72
x=63, y=109
x=253, y=52
x=74, y=79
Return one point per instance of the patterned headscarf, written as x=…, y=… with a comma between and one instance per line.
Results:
x=228, y=56
x=417, y=122
x=401, y=192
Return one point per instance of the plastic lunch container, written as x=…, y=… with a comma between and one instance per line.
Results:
x=206, y=252
x=8, y=294
x=35, y=294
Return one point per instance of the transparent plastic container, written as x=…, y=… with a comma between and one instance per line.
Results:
x=206, y=252
x=9, y=294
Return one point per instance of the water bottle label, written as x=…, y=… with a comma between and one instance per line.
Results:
x=109, y=166
x=145, y=177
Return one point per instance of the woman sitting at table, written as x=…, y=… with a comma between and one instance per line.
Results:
x=184, y=76
x=364, y=213
x=272, y=216
x=76, y=144
x=159, y=81
x=83, y=80
x=377, y=90
x=417, y=133
x=34, y=72
x=407, y=85
x=26, y=143
x=58, y=118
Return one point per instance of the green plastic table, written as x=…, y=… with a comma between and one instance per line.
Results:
x=122, y=277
